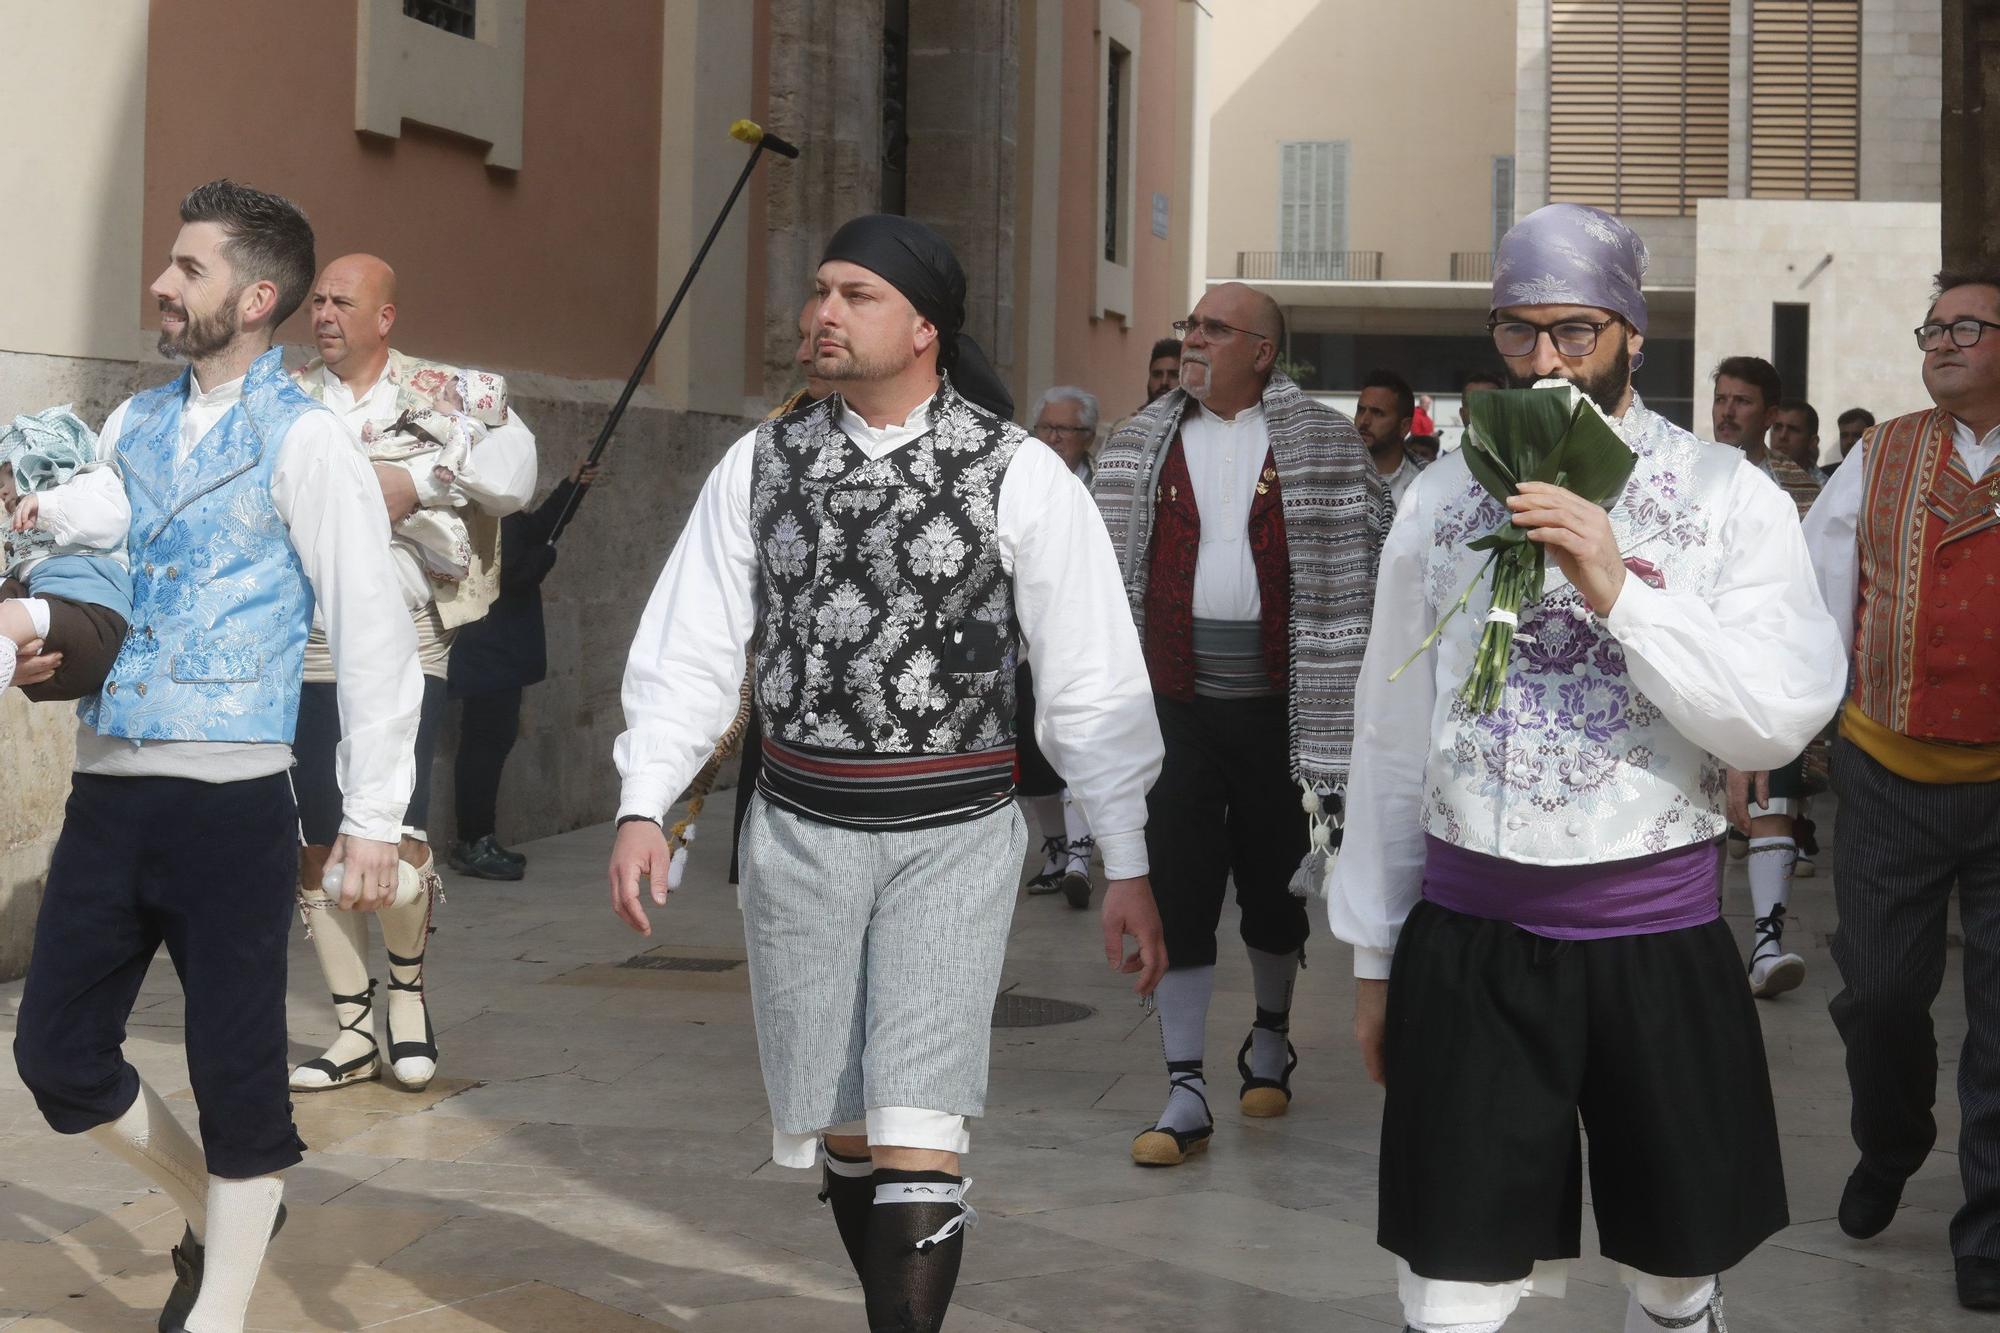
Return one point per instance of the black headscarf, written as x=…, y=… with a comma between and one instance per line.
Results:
x=917, y=262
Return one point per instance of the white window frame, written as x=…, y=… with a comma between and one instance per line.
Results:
x=1118, y=24
x=405, y=69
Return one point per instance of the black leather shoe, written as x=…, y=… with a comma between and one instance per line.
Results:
x=484, y=860
x=1868, y=1204
x=1978, y=1283
x=189, y=1261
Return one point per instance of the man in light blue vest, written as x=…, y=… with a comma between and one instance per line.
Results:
x=249, y=503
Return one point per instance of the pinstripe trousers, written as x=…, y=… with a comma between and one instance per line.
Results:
x=1899, y=848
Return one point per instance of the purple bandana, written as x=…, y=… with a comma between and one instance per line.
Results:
x=1569, y=254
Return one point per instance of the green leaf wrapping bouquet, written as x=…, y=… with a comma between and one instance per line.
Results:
x=1553, y=433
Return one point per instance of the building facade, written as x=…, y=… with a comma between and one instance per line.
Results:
x=1384, y=183
x=539, y=175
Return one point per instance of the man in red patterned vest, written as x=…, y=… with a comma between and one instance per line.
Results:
x=1906, y=540
x=1248, y=520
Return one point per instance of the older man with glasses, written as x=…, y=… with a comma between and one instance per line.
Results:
x=1906, y=540
x=1247, y=518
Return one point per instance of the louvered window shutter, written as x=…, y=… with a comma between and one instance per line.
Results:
x=1312, y=207
x=1639, y=104
x=1503, y=197
x=1805, y=98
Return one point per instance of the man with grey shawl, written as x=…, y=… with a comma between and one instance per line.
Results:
x=1247, y=520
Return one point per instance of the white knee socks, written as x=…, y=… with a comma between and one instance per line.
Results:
x=1182, y=999
x=1047, y=814
x=405, y=934
x=1668, y=1302
x=1076, y=830
x=1272, y=976
x=1770, y=873
x=148, y=1137
x=341, y=941
x=240, y=1215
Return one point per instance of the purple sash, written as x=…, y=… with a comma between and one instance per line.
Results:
x=1645, y=895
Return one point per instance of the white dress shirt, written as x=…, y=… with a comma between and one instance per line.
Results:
x=1094, y=713
x=1835, y=521
x=498, y=476
x=1402, y=478
x=328, y=499
x=1225, y=459
x=1748, y=671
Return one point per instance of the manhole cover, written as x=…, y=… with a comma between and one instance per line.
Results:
x=1036, y=1011
x=668, y=963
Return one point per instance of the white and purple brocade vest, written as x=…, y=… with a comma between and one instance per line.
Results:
x=1575, y=765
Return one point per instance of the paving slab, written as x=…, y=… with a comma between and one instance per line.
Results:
x=595, y=1155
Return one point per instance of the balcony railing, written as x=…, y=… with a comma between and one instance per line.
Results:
x=1472, y=266
x=1310, y=265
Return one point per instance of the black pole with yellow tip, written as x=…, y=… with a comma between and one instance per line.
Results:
x=750, y=132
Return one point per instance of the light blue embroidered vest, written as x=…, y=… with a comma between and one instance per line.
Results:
x=1576, y=764
x=220, y=603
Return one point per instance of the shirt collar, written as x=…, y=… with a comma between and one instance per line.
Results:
x=913, y=425
x=222, y=395
x=1961, y=435
x=1252, y=413
x=333, y=383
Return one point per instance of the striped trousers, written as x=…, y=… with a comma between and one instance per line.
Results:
x=1899, y=849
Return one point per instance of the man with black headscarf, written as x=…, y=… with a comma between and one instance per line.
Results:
x=882, y=552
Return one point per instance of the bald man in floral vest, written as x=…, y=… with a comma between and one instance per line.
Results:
x=452, y=457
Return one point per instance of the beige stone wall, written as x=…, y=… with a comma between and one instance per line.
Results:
x=1901, y=51
x=1422, y=91
x=1753, y=253
x=73, y=80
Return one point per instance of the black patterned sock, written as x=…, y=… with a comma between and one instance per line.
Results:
x=915, y=1240
x=849, y=1189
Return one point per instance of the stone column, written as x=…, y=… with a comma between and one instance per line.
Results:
x=1971, y=132
x=826, y=97
x=963, y=80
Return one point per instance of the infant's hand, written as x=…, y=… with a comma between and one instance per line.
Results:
x=444, y=475
x=26, y=512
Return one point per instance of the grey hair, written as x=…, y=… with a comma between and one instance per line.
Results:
x=1069, y=393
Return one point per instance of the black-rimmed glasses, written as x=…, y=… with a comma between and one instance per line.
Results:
x=1571, y=337
x=1964, y=333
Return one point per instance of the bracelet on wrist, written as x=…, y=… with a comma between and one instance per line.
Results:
x=623, y=820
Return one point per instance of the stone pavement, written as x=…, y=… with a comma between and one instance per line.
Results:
x=596, y=1157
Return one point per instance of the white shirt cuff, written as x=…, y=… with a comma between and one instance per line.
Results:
x=1124, y=854
x=1634, y=608
x=362, y=819
x=1372, y=964
x=647, y=799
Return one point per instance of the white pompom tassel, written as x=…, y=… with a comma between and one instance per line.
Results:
x=676, y=867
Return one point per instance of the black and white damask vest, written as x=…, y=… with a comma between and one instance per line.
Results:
x=883, y=670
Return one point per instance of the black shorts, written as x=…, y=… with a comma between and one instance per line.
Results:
x=87, y=635
x=313, y=749
x=1499, y=1041
x=1038, y=776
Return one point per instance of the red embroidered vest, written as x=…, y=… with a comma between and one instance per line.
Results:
x=1170, y=578
x=1927, y=642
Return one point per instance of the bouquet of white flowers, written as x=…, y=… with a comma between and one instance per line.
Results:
x=1552, y=433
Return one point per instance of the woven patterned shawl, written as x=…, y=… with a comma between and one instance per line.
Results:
x=1337, y=509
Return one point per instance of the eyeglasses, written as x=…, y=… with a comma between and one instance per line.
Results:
x=1214, y=330
x=1964, y=333
x=1571, y=337
x=1045, y=428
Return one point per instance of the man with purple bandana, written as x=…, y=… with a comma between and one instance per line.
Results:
x=1532, y=893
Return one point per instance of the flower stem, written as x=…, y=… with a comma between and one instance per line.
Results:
x=1457, y=606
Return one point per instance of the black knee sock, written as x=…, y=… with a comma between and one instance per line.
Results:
x=910, y=1269
x=850, y=1196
